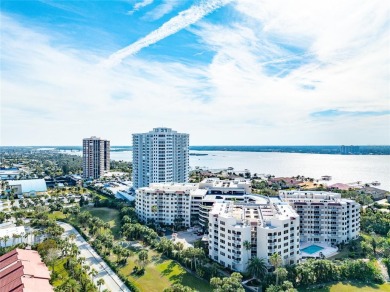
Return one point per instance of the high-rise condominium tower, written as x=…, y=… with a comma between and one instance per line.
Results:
x=96, y=157
x=160, y=156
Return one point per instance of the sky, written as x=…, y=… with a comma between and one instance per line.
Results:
x=228, y=72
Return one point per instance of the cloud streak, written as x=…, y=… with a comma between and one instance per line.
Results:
x=175, y=24
x=140, y=5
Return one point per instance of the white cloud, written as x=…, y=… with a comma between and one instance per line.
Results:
x=172, y=26
x=139, y=5
x=48, y=89
x=166, y=7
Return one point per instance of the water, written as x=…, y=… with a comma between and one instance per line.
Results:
x=342, y=168
x=312, y=249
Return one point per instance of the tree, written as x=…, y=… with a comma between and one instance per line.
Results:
x=248, y=246
x=143, y=258
x=281, y=273
x=100, y=282
x=71, y=285
x=5, y=239
x=276, y=261
x=179, y=288
x=227, y=284
x=285, y=287
x=93, y=273
x=257, y=268
x=51, y=256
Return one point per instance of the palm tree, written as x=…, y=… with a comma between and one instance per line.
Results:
x=72, y=285
x=72, y=237
x=257, y=268
x=276, y=261
x=5, y=238
x=100, y=282
x=93, y=273
x=248, y=246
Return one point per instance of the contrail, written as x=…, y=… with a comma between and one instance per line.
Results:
x=175, y=24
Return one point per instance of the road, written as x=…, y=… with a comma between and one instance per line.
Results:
x=112, y=281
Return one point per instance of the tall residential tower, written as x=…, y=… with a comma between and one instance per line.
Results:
x=96, y=157
x=160, y=155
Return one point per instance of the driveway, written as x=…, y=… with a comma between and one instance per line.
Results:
x=112, y=281
x=185, y=237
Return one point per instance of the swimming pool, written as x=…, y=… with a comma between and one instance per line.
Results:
x=312, y=249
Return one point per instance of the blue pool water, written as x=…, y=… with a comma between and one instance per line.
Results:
x=312, y=249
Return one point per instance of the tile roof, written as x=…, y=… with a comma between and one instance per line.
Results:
x=22, y=270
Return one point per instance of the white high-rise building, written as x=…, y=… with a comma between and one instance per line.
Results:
x=160, y=155
x=96, y=157
x=325, y=216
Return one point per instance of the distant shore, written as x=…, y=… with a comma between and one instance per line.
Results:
x=360, y=150
x=326, y=149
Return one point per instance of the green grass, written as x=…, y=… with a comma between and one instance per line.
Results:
x=350, y=286
x=107, y=215
x=161, y=273
x=57, y=215
x=62, y=272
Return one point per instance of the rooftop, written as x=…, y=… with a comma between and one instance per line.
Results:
x=23, y=270
x=256, y=209
x=29, y=185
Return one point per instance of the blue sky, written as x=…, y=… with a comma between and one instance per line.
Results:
x=229, y=72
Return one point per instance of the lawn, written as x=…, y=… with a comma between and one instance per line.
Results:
x=57, y=215
x=350, y=287
x=60, y=269
x=107, y=215
x=161, y=273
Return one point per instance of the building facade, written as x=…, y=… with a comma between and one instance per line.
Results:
x=96, y=157
x=324, y=216
x=169, y=203
x=192, y=201
x=257, y=227
x=220, y=191
x=160, y=156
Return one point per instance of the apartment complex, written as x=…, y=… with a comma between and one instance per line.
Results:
x=269, y=228
x=221, y=191
x=234, y=218
x=160, y=156
x=169, y=203
x=96, y=157
x=166, y=202
x=324, y=216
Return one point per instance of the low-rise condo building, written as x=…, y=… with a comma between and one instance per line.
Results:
x=220, y=191
x=165, y=202
x=256, y=227
x=325, y=216
x=169, y=203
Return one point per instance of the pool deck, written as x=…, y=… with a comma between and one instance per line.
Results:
x=327, y=250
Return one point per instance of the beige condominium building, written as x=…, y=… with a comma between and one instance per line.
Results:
x=169, y=203
x=325, y=217
x=255, y=227
x=163, y=202
x=96, y=157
